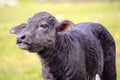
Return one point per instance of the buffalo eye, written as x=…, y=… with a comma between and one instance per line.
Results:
x=44, y=25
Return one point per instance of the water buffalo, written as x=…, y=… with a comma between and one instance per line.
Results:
x=68, y=51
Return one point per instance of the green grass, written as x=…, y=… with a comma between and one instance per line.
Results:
x=16, y=64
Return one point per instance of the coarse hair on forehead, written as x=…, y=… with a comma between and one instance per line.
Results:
x=41, y=16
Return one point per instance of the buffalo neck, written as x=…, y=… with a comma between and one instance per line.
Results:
x=56, y=59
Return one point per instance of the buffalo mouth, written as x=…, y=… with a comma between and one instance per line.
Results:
x=23, y=45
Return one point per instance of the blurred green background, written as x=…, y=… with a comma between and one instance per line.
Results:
x=16, y=64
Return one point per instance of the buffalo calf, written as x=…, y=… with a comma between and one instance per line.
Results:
x=68, y=51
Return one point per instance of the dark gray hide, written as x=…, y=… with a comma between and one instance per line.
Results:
x=68, y=51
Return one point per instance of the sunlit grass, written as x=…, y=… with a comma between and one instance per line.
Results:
x=16, y=65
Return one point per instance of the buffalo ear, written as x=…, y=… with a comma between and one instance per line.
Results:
x=17, y=29
x=65, y=26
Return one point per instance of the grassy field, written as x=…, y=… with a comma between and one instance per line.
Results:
x=16, y=64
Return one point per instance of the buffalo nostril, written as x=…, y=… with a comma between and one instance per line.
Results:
x=21, y=36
